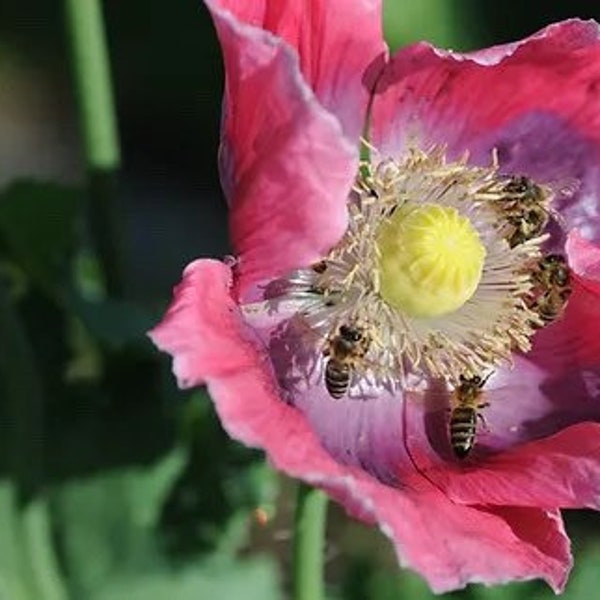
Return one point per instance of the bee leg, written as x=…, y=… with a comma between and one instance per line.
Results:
x=565, y=294
x=480, y=416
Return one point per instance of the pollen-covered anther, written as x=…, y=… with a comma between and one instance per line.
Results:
x=430, y=259
x=425, y=268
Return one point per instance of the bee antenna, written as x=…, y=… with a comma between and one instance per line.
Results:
x=485, y=379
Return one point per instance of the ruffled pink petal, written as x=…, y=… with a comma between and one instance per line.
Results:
x=562, y=470
x=506, y=467
x=584, y=260
x=340, y=46
x=493, y=546
x=403, y=440
x=198, y=330
x=577, y=35
x=357, y=430
x=452, y=545
x=536, y=102
x=540, y=445
x=452, y=98
x=448, y=544
x=286, y=165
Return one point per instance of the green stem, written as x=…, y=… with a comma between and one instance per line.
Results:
x=309, y=543
x=92, y=79
x=23, y=453
x=106, y=228
x=23, y=399
x=37, y=534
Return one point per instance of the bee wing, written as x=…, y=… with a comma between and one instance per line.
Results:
x=561, y=188
x=439, y=395
x=565, y=187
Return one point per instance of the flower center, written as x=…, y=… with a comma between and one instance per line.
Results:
x=430, y=260
x=436, y=271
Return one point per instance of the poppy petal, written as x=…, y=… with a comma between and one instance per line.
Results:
x=286, y=165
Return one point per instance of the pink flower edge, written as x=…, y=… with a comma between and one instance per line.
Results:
x=449, y=544
x=566, y=36
x=286, y=165
x=337, y=44
x=469, y=101
x=451, y=541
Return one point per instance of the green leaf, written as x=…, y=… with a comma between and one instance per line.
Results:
x=366, y=579
x=29, y=569
x=509, y=591
x=254, y=579
x=113, y=549
x=114, y=323
x=15, y=584
x=224, y=482
x=23, y=400
x=109, y=522
x=443, y=23
x=37, y=226
x=586, y=576
x=584, y=579
x=37, y=535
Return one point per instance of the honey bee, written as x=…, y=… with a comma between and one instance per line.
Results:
x=525, y=206
x=467, y=399
x=551, y=287
x=345, y=351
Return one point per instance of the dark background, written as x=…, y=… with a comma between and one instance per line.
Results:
x=138, y=493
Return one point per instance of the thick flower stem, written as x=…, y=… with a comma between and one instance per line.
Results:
x=309, y=543
x=92, y=79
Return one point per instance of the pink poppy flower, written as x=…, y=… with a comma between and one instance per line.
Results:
x=427, y=258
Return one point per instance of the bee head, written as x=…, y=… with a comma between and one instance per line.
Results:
x=350, y=334
x=554, y=259
x=476, y=381
x=518, y=185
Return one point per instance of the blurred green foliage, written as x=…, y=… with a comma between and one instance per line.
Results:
x=111, y=484
x=114, y=485
x=449, y=29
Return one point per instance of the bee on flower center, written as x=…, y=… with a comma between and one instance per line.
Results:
x=467, y=400
x=525, y=207
x=345, y=352
x=551, y=287
x=424, y=263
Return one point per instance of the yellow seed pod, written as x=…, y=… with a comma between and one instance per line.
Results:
x=431, y=260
